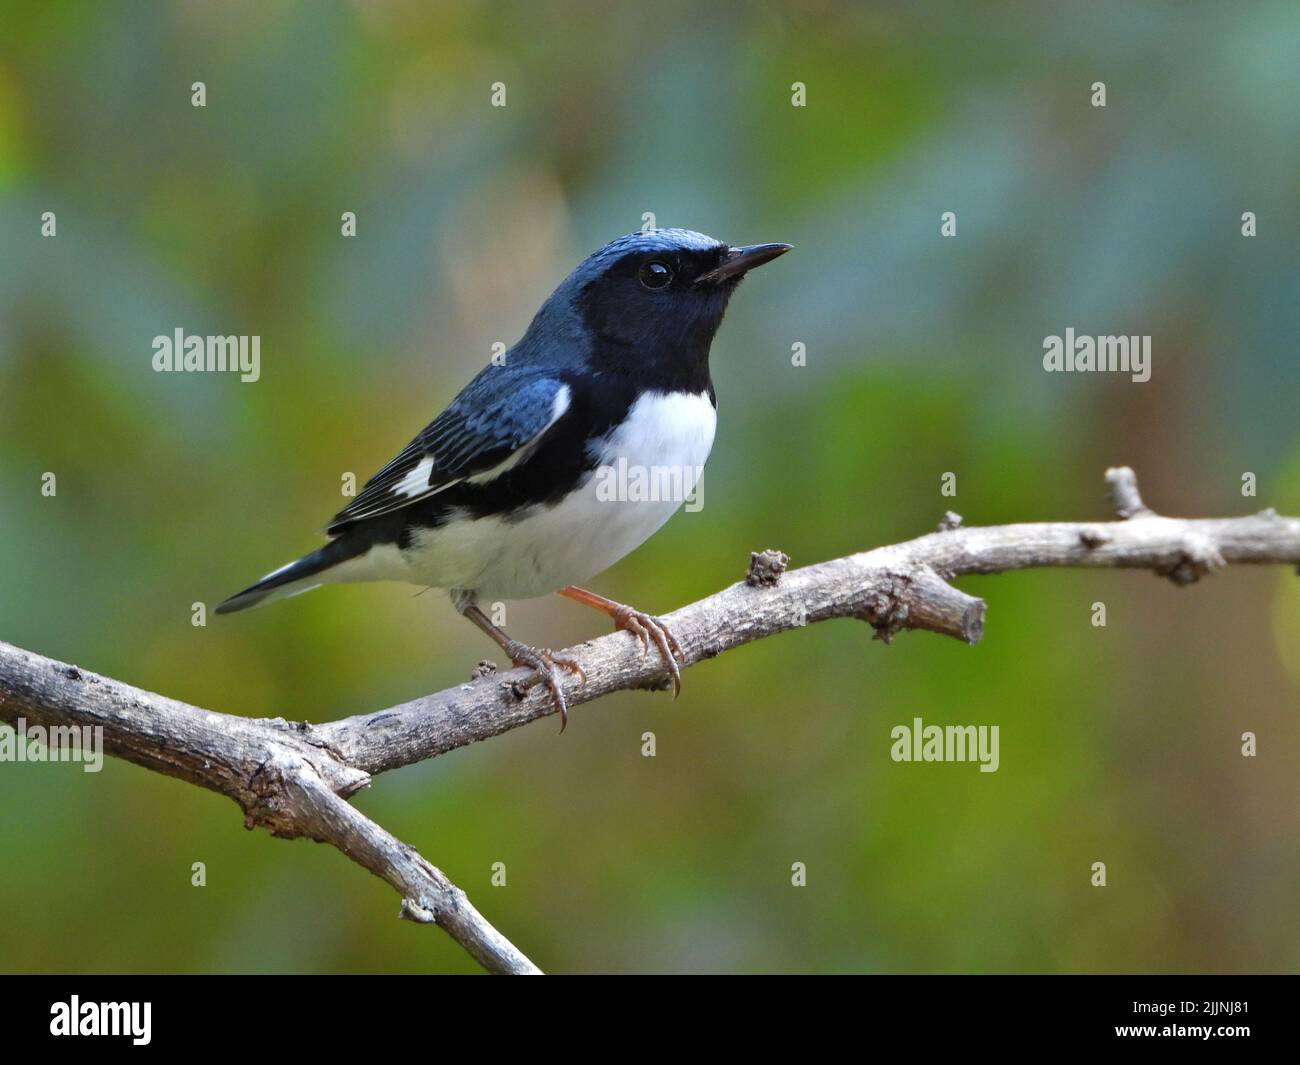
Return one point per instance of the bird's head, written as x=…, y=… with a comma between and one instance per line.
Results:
x=650, y=302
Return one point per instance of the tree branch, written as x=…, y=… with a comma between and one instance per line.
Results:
x=294, y=778
x=282, y=780
x=902, y=586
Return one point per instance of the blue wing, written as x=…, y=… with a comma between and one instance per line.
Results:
x=495, y=422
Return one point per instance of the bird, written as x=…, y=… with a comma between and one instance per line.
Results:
x=507, y=493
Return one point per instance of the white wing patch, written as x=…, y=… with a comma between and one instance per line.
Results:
x=415, y=484
x=416, y=481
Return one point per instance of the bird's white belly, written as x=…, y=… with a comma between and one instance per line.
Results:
x=647, y=467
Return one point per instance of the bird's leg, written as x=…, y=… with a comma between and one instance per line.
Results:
x=546, y=665
x=643, y=626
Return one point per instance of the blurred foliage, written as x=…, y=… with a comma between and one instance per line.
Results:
x=1118, y=744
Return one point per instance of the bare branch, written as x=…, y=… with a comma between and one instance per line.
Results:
x=294, y=779
x=902, y=586
x=283, y=781
x=316, y=811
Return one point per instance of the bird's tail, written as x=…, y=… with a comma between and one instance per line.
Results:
x=293, y=579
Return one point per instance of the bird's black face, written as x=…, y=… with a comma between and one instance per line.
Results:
x=653, y=302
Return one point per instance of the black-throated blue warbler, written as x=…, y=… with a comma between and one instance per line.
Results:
x=498, y=497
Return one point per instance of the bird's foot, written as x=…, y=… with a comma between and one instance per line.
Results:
x=547, y=669
x=647, y=627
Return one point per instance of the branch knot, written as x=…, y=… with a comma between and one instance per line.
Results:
x=885, y=609
x=1199, y=559
x=766, y=567
x=418, y=912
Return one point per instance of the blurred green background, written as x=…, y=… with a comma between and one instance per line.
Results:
x=1119, y=744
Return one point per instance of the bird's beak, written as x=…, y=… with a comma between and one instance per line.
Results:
x=740, y=260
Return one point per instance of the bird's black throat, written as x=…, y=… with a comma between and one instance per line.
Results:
x=658, y=341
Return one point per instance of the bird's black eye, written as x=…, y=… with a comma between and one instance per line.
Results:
x=655, y=275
